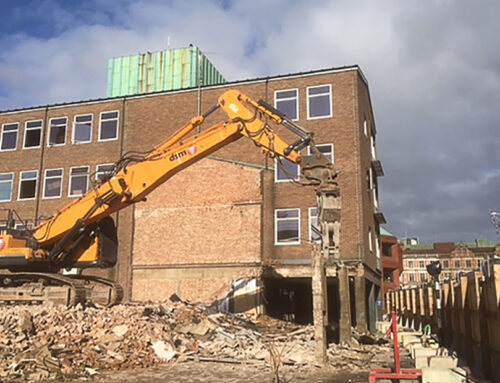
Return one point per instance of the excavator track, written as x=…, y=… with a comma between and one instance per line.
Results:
x=100, y=291
x=37, y=288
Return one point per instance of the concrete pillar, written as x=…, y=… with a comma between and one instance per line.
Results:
x=371, y=307
x=360, y=299
x=319, y=305
x=345, y=305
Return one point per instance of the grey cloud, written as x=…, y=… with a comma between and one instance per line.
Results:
x=433, y=70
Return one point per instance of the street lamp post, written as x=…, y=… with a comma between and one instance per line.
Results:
x=434, y=269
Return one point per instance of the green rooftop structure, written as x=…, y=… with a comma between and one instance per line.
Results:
x=161, y=71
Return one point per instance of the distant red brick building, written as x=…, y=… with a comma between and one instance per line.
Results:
x=392, y=261
x=455, y=258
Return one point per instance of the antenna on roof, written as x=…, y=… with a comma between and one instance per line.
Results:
x=495, y=219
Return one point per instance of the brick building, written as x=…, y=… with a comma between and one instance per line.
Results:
x=232, y=229
x=392, y=261
x=455, y=258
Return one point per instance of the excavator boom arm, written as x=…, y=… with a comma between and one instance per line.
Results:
x=133, y=182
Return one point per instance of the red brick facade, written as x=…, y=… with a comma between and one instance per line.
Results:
x=218, y=215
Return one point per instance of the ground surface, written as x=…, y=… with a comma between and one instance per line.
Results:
x=203, y=372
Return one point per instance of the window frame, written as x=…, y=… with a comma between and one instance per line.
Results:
x=73, y=141
x=52, y=177
x=19, y=185
x=97, y=172
x=99, y=139
x=26, y=129
x=310, y=216
x=276, y=219
x=2, y=134
x=288, y=99
x=276, y=172
x=11, y=186
x=332, y=146
x=308, y=97
x=49, y=144
x=70, y=180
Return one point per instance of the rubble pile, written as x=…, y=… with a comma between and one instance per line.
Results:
x=38, y=342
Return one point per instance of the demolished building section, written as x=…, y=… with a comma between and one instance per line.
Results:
x=236, y=230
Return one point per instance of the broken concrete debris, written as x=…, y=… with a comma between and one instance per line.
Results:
x=41, y=342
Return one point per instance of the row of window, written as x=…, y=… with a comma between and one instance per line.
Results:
x=457, y=264
x=319, y=102
x=81, y=133
x=78, y=183
x=287, y=226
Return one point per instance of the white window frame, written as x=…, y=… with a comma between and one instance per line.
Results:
x=11, y=186
x=17, y=136
x=308, y=97
x=19, y=185
x=276, y=170
x=50, y=129
x=70, y=179
x=73, y=141
x=288, y=99
x=331, y=145
x=52, y=177
x=117, y=125
x=310, y=210
x=26, y=129
x=370, y=240
x=97, y=172
x=276, y=243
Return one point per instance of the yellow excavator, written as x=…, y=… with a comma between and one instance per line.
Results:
x=83, y=234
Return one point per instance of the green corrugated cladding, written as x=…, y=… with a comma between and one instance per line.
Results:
x=160, y=71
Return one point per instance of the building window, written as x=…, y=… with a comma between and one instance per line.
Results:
x=82, y=129
x=57, y=131
x=479, y=263
x=373, y=148
x=365, y=126
x=27, y=185
x=319, y=103
x=412, y=277
x=370, y=239
x=457, y=264
x=108, y=129
x=410, y=264
x=314, y=229
x=32, y=134
x=285, y=170
x=6, y=183
x=78, y=181
x=326, y=149
x=9, y=136
x=423, y=277
x=421, y=264
x=287, y=226
x=468, y=263
x=104, y=171
x=52, y=187
x=287, y=102
x=446, y=264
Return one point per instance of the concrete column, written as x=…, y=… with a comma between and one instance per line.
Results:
x=319, y=305
x=360, y=299
x=345, y=305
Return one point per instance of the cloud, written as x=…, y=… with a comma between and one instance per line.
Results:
x=433, y=70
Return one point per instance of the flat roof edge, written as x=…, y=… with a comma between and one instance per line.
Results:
x=224, y=85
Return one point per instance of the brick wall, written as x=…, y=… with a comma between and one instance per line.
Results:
x=146, y=120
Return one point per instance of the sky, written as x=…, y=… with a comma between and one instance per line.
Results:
x=433, y=69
